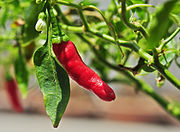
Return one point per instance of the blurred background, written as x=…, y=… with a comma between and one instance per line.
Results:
x=130, y=112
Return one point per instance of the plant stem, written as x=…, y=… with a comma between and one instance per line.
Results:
x=68, y=3
x=111, y=10
x=168, y=39
x=164, y=71
x=129, y=44
x=112, y=31
x=141, y=85
x=135, y=6
x=83, y=18
x=72, y=28
x=130, y=25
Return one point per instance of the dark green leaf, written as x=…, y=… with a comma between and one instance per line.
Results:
x=148, y=68
x=21, y=73
x=159, y=23
x=54, y=84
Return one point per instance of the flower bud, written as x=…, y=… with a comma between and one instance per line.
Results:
x=39, y=1
x=55, y=12
x=42, y=15
x=40, y=25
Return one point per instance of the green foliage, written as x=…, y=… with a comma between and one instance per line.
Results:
x=168, y=56
x=176, y=9
x=53, y=81
x=31, y=17
x=105, y=39
x=137, y=1
x=21, y=73
x=159, y=24
x=89, y=2
x=4, y=16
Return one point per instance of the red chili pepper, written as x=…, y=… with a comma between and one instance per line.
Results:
x=68, y=56
x=12, y=91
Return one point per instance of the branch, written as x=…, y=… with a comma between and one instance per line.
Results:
x=68, y=3
x=130, y=25
x=128, y=44
x=165, y=72
x=132, y=45
x=141, y=85
x=168, y=39
x=135, y=6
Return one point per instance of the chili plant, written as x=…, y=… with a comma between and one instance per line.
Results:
x=125, y=28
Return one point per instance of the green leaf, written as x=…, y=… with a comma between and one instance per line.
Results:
x=21, y=74
x=141, y=13
x=111, y=10
x=159, y=23
x=137, y=1
x=54, y=83
x=168, y=56
x=175, y=18
x=176, y=9
x=4, y=16
x=31, y=17
x=89, y=2
x=131, y=2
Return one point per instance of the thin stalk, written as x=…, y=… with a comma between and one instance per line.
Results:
x=72, y=28
x=130, y=25
x=135, y=6
x=110, y=27
x=168, y=39
x=112, y=31
x=68, y=3
x=164, y=71
x=111, y=10
x=175, y=18
x=83, y=18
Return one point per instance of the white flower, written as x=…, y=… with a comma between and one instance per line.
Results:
x=40, y=25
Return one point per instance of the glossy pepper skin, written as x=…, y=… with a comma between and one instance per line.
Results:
x=12, y=92
x=68, y=56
